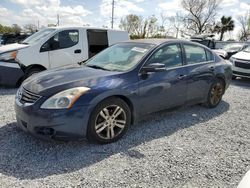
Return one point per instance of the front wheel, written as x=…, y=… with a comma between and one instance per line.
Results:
x=215, y=94
x=109, y=121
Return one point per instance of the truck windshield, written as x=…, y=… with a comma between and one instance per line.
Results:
x=38, y=36
x=120, y=57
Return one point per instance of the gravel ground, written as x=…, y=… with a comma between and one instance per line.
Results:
x=187, y=147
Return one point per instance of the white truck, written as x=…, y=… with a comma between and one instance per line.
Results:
x=53, y=47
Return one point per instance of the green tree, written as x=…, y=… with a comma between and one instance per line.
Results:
x=5, y=29
x=226, y=24
x=31, y=28
x=138, y=27
x=16, y=28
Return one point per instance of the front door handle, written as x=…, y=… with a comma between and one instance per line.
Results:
x=78, y=51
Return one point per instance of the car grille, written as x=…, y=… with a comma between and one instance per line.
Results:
x=26, y=96
x=243, y=65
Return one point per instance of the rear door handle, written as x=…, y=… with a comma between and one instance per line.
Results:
x=182, y=76
x=211, y=68
x=78, y=51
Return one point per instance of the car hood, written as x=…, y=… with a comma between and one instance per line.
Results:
x=12, y=47
x=53, y=81
x=242, y=55
x=220, y=52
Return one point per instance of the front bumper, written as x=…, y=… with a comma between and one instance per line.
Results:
x=241, y=68
x=10, y=74
x=68, y=124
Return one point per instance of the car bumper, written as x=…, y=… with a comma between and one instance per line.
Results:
x=10, y=74
x=241, y=72
x=53, y=124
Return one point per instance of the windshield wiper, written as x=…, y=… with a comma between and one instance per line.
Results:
x=24, y=43
x=97, y=67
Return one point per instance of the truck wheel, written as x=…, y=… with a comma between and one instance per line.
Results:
x=32, y=71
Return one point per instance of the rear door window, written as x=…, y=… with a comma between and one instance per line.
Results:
x=98, y=41
x=195, y=54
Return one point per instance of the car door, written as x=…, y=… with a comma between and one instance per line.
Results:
x=65, y=48
x=161, y=90
x=200, y=65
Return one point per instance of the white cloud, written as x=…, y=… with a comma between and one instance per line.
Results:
x=245, y=6
x=228, y=3
x=174, y=5
x=122, y=8
x=45, y=11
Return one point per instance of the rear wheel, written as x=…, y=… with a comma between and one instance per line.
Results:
x=109, y=121
x=215, y=93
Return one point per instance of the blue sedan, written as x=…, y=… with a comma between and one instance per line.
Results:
x=102, y=98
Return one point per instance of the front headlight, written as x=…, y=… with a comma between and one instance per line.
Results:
x=231, y=60
x=64, y=99
x=9, y=56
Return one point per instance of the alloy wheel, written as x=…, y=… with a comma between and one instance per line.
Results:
x=110, y=122
x=216, y=93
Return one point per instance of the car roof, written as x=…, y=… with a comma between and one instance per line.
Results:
x=161, y=41
x=85, y=27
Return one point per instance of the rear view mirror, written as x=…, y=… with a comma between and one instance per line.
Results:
x=154, y=67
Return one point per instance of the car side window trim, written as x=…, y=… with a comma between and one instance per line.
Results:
x=203, y=62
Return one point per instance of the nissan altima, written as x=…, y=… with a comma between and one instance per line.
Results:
x=102, y=98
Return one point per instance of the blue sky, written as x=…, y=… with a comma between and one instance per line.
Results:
x=98, y=12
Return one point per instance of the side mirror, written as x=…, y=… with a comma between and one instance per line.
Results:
x=54, y=45
x=154, y=67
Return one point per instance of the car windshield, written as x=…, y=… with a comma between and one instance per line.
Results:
x=38, y=36
x=120, y=57
x=233, y=47
x=247, y=49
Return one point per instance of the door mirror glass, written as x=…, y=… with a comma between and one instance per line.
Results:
x=154, y=67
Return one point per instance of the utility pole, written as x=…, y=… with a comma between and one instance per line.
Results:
x=58, y=20
x=112, y=18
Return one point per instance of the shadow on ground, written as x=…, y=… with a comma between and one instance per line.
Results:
x=25, y=157
x=7, y=91
x=242, y=82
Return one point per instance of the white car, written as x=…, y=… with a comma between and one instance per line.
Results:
x=241, y=63
x=53, y=47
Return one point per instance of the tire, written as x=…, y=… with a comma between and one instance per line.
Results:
x=103, y=126
x=215, y=93
x=32, y=71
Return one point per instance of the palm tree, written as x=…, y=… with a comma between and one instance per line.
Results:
x=226, y=24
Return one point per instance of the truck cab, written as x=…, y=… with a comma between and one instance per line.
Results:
x=51, y=48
